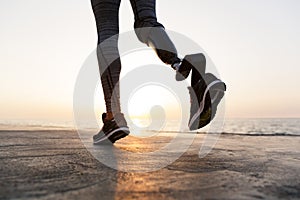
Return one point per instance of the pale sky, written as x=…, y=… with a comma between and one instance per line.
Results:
x=254, y=44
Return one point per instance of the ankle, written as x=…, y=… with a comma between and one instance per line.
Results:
x=109, y=116
x=176, y=65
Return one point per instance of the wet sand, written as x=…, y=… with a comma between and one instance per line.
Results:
x=56, y=165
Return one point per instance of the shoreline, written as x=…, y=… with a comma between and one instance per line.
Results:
x=57, y=129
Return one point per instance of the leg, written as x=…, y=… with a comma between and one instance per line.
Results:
x=145, y=18
x=157, y=38
x=107, y=20
x=206, y=90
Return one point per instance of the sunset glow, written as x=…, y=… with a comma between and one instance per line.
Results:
x=254, y=45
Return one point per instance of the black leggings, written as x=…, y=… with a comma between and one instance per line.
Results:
x=107, y=19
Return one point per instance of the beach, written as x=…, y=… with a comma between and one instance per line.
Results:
x=54, y=164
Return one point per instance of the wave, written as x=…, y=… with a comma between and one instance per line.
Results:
x=261, y=134
x=228, y=133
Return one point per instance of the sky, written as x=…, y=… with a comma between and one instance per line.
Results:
x=254, y=44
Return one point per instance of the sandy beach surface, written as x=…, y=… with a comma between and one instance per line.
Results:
x=54, y=164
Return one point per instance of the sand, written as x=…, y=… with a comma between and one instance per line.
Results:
x=54, y=164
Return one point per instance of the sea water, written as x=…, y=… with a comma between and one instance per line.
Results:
x=247, y=126
x=267, y=126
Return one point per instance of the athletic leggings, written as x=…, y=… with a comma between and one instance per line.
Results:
x=107, y=20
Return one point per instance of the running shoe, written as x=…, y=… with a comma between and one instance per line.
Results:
x=205, y=96
x=112, y=130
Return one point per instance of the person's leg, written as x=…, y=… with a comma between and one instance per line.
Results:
x=107, y=20
x=145, y=18
x=157, y=38
x=201, y=83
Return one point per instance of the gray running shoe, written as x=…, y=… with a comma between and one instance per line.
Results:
x=205, y=96
x=112, y=130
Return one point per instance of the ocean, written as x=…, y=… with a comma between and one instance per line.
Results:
x=264, y=126
x=239, y=126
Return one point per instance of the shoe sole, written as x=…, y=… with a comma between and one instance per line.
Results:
x=119, y=135
x=122, y=132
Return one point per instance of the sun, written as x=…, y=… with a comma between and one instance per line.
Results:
x=150, y=100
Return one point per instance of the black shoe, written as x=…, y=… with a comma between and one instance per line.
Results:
x=205, y=95
x=189, y=62
x=112, y=130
